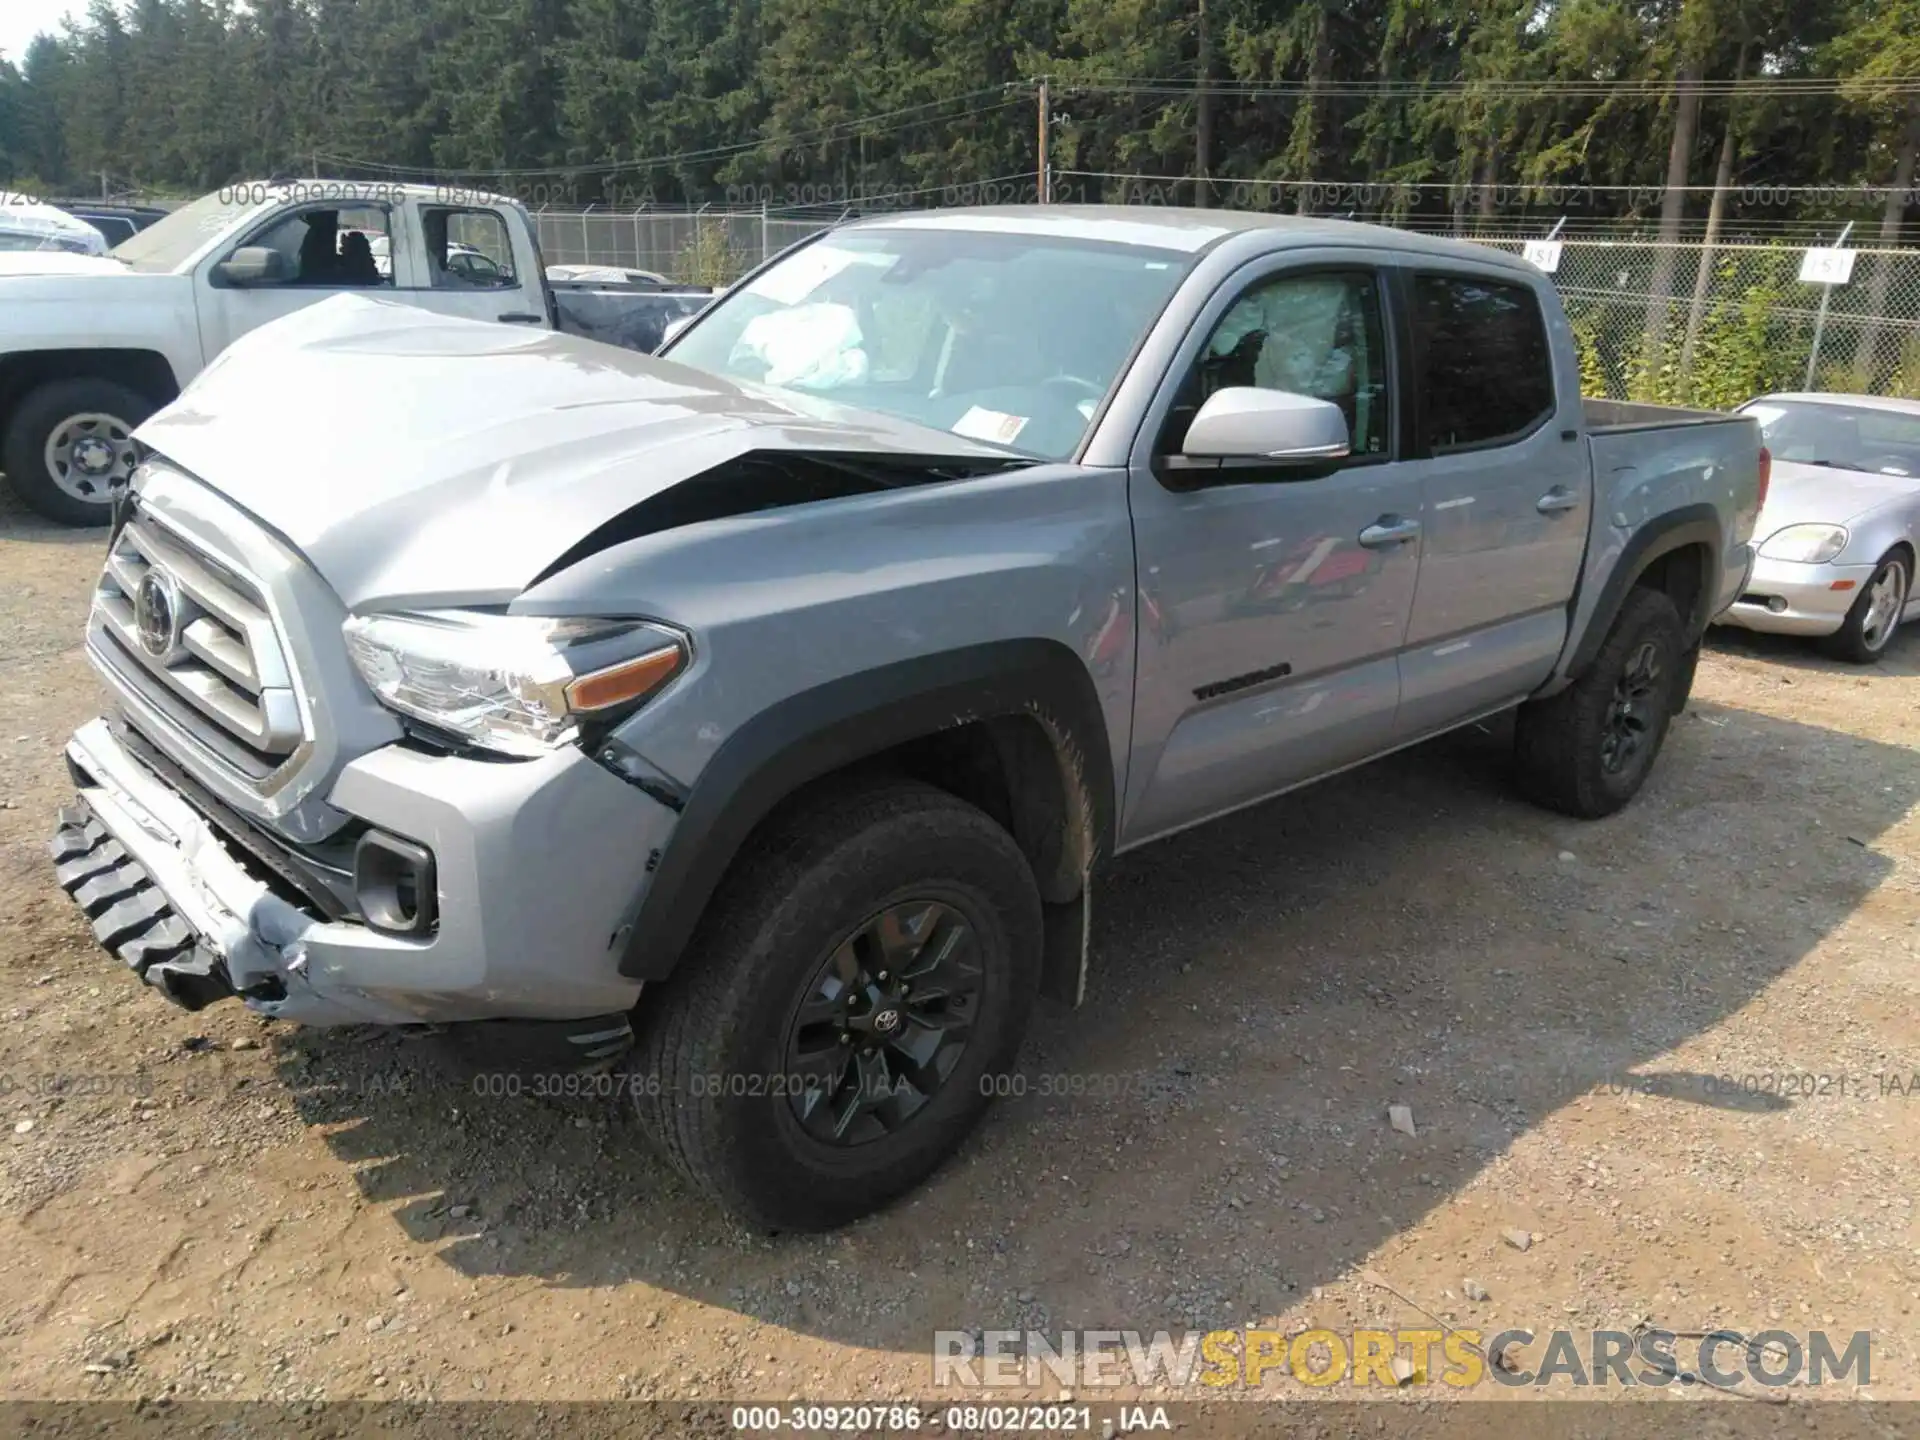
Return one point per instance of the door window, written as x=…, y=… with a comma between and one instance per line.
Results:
x=331, y=247
x=1316, y=334
x=1485, y=374
x=467, y=249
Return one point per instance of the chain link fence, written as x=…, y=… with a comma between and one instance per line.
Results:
x=1677, y=324
x=703, y=247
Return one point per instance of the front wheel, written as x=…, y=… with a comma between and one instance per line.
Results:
x=835, y=1029
x=1864, y=635
x=69, y=446
x=1586, y=751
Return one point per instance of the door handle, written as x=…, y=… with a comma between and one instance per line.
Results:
x=1557, y=499
x=522, y=319
x=1389, y=530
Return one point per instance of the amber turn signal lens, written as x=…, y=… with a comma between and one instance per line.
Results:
x=628, y=681
x=1841, y=585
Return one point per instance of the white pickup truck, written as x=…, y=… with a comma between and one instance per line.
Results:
x=92, y=345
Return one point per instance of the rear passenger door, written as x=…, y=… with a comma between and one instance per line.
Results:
x=465, y=260
x=1506, y=492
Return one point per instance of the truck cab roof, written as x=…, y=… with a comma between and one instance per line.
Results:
x=1187, y=229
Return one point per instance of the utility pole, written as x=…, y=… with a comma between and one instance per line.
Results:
x=1044, y=176
x=1202, y=115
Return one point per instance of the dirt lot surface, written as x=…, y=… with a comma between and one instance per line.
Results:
x=216, y=1206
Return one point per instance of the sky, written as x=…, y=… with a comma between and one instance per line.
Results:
x=21, y=20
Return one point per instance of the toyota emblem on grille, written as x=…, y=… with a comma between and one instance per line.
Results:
x=156, y=614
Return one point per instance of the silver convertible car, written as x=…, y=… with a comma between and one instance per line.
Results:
x=1837, y=532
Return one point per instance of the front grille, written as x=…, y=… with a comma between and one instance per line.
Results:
x=317, y=878
x=193, y=639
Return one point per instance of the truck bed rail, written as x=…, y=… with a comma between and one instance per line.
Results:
x=1618, y=415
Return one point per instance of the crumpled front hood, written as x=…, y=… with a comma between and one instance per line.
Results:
x=1820, y=495
x=416, y=459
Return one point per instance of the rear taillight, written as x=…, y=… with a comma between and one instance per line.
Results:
x=1766, y=473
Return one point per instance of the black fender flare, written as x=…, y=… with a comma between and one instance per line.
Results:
x=825, y=729
x=1688, y=525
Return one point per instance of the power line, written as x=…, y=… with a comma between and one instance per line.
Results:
x=839, y=130
x=954, y=192
x=1549, y=190
x=1644, y=87
x=890, y=122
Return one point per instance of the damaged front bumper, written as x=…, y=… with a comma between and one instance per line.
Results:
x=162, y=892
x=537, y=866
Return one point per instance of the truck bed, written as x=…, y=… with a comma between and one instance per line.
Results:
x=1635, y=445
x=631, y=318
x=1652, y=459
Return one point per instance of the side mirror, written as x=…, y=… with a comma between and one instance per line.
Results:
x=674, y=327
x=253, y=265
x=1244, y=423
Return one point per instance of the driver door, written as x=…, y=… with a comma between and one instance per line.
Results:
x=310, y=238
x=1274, y=602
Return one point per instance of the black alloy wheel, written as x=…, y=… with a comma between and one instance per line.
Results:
x=883, y=1023
x=1639, y=699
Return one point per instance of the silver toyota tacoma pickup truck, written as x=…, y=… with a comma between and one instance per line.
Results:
x=755, y=718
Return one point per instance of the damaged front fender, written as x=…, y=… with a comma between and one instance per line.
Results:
x=856, y=717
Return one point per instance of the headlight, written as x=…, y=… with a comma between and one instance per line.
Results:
x=1808, y=544
x=519, y=684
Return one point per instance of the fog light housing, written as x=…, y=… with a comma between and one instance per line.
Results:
x=393, y=883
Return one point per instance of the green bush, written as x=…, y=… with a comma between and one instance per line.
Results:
x=1906, y=372
x=1744, y=347
x=1594, y=379
x=709, y=258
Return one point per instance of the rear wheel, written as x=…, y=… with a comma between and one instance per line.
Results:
x=70, y=445
x=836, y=1027
x=1864, y=635
x=1587, y=751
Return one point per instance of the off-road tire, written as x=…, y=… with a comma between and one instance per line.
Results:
x=710, y=1034
x=1559, y=742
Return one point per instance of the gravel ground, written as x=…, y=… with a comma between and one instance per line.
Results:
x=215, y=1206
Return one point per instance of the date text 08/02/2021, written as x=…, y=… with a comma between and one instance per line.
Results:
x=1785, y=1085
